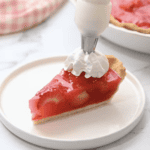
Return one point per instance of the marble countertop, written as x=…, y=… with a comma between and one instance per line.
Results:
x=59, y=35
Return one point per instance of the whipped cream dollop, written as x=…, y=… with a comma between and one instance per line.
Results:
x=94, y=64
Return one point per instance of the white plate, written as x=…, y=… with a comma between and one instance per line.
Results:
x=127, y=38
x=85, y=130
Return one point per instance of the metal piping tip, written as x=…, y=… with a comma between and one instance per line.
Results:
x=88, y=44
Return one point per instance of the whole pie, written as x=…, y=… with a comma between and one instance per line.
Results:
x=131, y=14
x=67, y=94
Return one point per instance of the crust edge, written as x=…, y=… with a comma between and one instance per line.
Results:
x=129, y=26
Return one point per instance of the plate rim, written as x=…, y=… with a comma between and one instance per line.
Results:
x=10, y=126
x=129, y=31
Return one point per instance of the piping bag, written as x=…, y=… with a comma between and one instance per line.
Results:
x=92, y=18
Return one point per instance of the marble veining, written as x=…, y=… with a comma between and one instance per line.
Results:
x=58, y=35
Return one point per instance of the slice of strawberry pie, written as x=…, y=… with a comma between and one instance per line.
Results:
x=68, y=94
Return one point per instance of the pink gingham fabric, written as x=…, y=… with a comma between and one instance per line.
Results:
x=17, y=15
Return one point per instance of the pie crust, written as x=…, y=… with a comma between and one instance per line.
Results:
x=129, y=26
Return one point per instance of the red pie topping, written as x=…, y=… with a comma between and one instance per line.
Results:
x=67, y=92
x=132, y=11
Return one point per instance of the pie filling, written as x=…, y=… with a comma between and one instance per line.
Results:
x=67, y=92
x=132, y=11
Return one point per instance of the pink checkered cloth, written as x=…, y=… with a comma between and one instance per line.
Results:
x=17, y=15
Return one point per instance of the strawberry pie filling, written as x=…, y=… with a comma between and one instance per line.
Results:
x=132, y=11
x=67, y=92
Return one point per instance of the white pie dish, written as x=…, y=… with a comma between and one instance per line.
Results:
x=129, y=39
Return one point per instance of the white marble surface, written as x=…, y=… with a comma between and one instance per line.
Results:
x=58, y=35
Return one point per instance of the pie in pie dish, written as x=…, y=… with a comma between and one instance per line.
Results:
x=131, y=14
x=67, y=94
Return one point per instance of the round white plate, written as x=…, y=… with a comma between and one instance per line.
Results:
x=85, y=130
